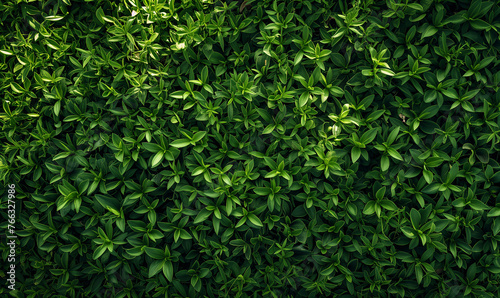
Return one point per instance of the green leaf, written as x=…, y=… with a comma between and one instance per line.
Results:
x=380, y=193
x=155, y=253
x=369, y=208
x=433, y=161
x=483, y=155
x=429, y=31
x=168, y=270
x=98, y=252
x=16, y=87
x=387, y=72
x=388, y=205
x=180, y=143
x=57, y=107
x=494, y=212
x=157, y=159
x=459, y=203
x=54, y=18
x=478, y=205
x=452, y=174
x=394, y=154
x=262, y=191
x=255, y=220
x=416, y=6
x=269, y=129
x=485, y=62
x=100, y=14
x=355, y=154
x=7, y=52
x=428, y=176
x=408, y=232
x=415, y=218
x=369, y=136
x=110, y=203
x=240, y=222
x=392, y=136
x=271, y=174
x=470, y=94
x=451, y=93
x=429, y=112
x=202, y=216
x=384, y=163
x=199, y=135
x=419, y=274
x=152, y=147
x=304, y=97
x=155, y=267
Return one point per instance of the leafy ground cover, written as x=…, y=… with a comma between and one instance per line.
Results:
x=204, y=148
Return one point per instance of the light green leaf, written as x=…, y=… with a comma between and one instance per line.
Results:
x=180, y=143
x=54, y=18
x=494, y=212
x=157, y=159
x=389, y=205
x=255, y=220
x=199, y=135
x=168, y=270
x=100, y=14
x=155, y=267
x=110, y=203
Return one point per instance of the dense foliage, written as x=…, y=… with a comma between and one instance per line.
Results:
x=212, y=148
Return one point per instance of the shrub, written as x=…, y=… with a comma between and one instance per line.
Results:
x=252, y=148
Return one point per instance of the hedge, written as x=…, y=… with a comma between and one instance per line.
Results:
x=209, y=148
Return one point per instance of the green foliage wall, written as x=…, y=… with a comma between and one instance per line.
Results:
x=252, y=148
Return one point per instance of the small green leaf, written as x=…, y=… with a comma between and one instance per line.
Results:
x=428, y=176
x=415, y=218
x=54, y=18
x=199, y=135
x=429, y=31
x=100, y=14
x=98, y=252
x=155, y=253
x=304, y=97
x=393, y=136
x=155, y=267
x=369, y=208
x=202, y=216
x=355, y=154
x=157, y=159
x=168, y=270
x=262, y=191
x=255, y=220
x=380, y=193
x=180, y=143
x=416, y=6
x=7, y=52
x=494, y=212
x=389, y=205
x=394, y=154
x=384, y=163
x=369, y=136
x=478, y=205
x=110, y=203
